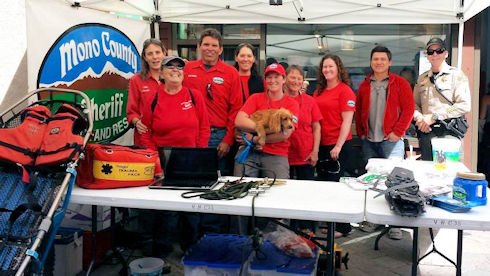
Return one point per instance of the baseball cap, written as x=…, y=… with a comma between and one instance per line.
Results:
x=435, y=41
x=275, y=67
x=168, y=59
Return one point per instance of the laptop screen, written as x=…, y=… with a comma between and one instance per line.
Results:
x=192, y=163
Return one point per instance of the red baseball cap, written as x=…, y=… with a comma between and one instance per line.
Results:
x=275, y=67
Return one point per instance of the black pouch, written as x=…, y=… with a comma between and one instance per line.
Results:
x=403, y=193
x=456, y=126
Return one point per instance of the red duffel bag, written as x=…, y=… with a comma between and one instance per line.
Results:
x=108, y=166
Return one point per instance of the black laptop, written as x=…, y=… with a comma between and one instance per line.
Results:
x=188, y=168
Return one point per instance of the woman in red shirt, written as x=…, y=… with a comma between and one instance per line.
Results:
x=247, y=69
x=337, y=103
x=305, y=140
x=274, y=155
x=176, y=117
x=144, y=84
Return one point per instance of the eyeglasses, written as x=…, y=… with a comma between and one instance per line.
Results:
x=439, y=51
x=174, y=67
x=209, y=93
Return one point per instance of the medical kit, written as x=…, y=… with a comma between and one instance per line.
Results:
x=108, y=166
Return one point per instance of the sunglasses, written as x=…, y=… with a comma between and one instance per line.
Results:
x=439, y=51
x=174, y=67
x=209, y=92
x=328, y=166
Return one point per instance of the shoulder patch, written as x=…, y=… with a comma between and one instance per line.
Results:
x=295, y=119
x=351, y=103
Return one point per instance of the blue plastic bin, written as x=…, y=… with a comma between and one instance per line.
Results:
x=218, y=255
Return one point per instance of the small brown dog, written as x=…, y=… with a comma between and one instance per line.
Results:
x=271, y=121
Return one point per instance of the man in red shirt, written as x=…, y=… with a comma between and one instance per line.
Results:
x=219, y=84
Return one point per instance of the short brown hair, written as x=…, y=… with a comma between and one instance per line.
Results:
x=293, y=68
x=212, y=33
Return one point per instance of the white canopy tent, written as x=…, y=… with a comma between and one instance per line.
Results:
x=296, y=11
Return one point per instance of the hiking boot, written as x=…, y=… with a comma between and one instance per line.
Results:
x=395, y=234
x=368, y=227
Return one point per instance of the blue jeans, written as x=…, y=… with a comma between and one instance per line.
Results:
x=217, y=135
x=383, y=149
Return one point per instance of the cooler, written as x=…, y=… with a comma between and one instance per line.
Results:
x=68, y=246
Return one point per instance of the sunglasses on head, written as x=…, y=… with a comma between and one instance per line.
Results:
x=174, y=67
x=439, y=51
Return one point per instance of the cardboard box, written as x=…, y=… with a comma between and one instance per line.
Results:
x=80, y=216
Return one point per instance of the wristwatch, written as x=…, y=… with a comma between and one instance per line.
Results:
x=435, y=116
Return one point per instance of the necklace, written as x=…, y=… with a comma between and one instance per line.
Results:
x=269, y=100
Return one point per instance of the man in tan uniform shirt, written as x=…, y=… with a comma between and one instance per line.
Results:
x=434, y=91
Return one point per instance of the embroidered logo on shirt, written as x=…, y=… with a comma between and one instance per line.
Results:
x=192, y=76
x=351, y=103
x=295, y=119
x=218, y=80
x=145, y=89
x=186, y=105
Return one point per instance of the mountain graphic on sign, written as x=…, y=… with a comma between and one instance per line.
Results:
x=109, y=77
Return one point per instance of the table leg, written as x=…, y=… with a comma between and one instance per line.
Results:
x=94, y=236
x=415, y=251
x=330, y=246
x=459, y=253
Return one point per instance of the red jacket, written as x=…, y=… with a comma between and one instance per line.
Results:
x=398, y=110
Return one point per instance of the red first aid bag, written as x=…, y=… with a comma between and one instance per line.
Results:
x=108, y=166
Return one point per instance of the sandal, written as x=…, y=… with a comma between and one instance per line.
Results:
x=336, y=234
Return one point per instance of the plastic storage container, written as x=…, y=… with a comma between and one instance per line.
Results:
x=146, y=267
x=279, y=263
x=215, y=255
x=68, y=246
x=445, y=150
x=471, y=188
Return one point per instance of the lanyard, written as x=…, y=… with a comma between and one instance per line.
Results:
x=269, y=100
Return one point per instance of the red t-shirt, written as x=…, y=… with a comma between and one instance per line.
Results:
x=139, y=91
x=176, y=121
x=225, y=88
x=261, y=101
x=244, y=81
x=301, y=141
x=332, y=103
